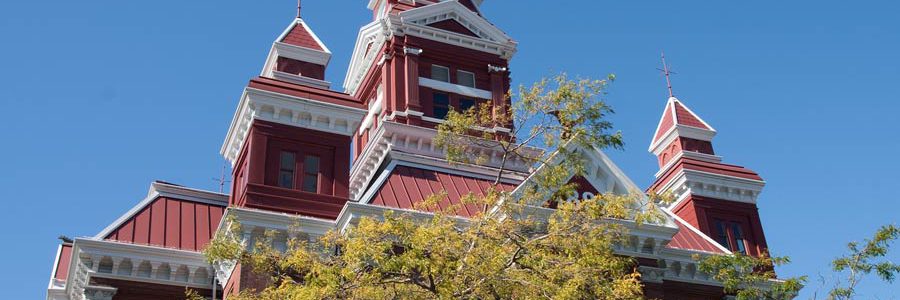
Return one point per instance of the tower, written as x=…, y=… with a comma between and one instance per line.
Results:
x=717, y=198
x=289, y=141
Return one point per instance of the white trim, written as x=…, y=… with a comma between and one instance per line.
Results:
x=455, y=88
x=79, y=275
x=302, y=54
x=474, y=80
x=676, y=131
x=713, y=185
x=414, y=22
x=697, y=231
x=657, y=145
x=376, y=186
x=687, y=154
x=308, y=30
x=301, y=80
x=288, y=110
x=433, y=66
x=54, y=283
x=454, y=10
x=374, y=111
x=696, y=116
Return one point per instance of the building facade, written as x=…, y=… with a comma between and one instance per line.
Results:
x=304, y=153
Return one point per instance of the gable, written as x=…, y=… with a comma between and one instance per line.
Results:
x=171, y=216
x=301, y=37
x=171, y=223
x=454, y=10
x=453, y=26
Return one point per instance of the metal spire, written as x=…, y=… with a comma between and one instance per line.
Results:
x=667, y=72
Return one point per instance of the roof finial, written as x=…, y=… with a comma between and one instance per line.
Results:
x=299, y=5
x=667, y=72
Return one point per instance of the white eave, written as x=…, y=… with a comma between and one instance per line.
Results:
x=288, y=110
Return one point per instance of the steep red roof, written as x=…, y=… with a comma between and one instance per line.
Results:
x=171, y=223
x=407, y=186
x=688, y=239
x=301, y=36
x=677, y=113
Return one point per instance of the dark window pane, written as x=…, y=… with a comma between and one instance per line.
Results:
x=466, y=104
x=440, y=73
x=311, y=164
x=287, y=160
x=286, y=179
x=738, y=238
x=286, y=170
x=441, y=104
x=465, y=78
x=722, y=234
x=310, y=174
x=311, y=184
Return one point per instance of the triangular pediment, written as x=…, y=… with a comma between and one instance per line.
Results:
x=453, y=26
x=453, y=10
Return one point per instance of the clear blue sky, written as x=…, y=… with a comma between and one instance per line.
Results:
x=99, y=98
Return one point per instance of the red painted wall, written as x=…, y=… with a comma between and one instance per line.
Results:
x=701, y=212
x=257, y=166
x=301, y=68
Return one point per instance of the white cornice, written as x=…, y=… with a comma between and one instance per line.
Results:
x=391, y=137
x=448, y=10
x=289, y=110
x=95, y=251
x=676, y=131
x=414, y=22
x=299, y=21
x=301, y=80
x=711, y=185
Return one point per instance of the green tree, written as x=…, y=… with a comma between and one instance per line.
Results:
x=751, y=278
x=861, y=262
x=510, y=250
x=754, y=277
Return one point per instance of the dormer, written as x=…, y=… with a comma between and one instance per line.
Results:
x=298, y=56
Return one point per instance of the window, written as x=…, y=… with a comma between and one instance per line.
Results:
x=466, y=104
x=311, y=174
x=731, y=236
x=465, y=78
x=286, y=170
x=441, y=105
x=440, y=73
x=739, y=245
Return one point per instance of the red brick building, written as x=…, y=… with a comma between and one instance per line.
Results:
x=304, y=153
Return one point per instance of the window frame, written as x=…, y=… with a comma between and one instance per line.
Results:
x=735, y=233
x=292, y=169
x=433, y=66
x=434, y=104
x=302, y=149
x=460, y=72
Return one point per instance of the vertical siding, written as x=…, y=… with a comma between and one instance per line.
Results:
x=406, y=187
x=158, y=223
x=188, y=237
x=171, y=223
